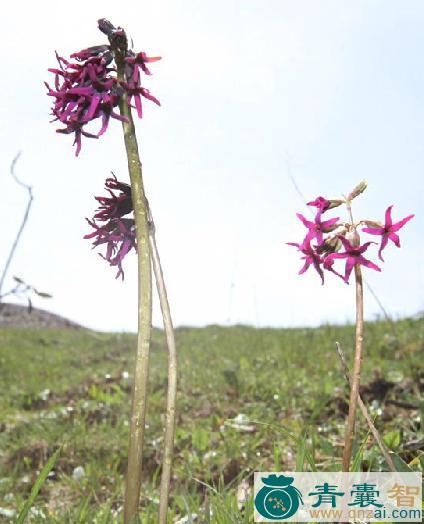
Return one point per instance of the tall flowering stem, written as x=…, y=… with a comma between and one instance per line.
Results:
x=356, y=375
x=89, y=87
x=141, y=373
x=326, y=242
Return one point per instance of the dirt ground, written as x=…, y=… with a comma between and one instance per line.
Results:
x=18, y=316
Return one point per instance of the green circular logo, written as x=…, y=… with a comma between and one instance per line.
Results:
x=277, y=499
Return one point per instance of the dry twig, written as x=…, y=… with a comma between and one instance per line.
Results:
x=23, y=223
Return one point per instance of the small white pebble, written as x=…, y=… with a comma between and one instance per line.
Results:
x=241, y=419
x=186, y=519
x=78, y=473
x=44, y=395
x=37, y=512
x=8, y=513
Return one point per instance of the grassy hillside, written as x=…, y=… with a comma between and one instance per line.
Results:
x=249, y=399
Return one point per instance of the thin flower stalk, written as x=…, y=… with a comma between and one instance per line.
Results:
x=356, y=374
x=168, y=449
x=366, y=414
x=141, y=373
x=354, y=255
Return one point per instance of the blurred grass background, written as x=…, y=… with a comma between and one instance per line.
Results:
x=249, y=400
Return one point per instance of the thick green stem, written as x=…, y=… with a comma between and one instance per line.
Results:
x=356, y=375
x=141, y=373
x=168, y=449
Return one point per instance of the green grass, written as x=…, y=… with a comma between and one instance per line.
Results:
x=287, y=382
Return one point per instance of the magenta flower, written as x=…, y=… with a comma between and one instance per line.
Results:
x=88, y=89
x=321, y=203
x=134, y=92
x=311, y=257
x=388, y=231
x=140, y=60
x=118, y=233
x=353, y=255
x=318, y=227
x=119, y=236
x=83, y=92
x=76, y=128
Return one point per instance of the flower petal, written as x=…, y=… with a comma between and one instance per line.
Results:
x=401, y=223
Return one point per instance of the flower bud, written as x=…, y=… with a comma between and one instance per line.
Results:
x=360, y=188
x=371, y=223
x=330, y=245
x=353, y=237
x=329, y=228
x=335, y=202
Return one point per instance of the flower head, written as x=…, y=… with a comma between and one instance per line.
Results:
x=353, y=255
x=117, y=233
x=88, y=89
x=388, y=231
x=329, y=240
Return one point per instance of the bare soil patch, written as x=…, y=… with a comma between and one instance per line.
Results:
x=18, y=316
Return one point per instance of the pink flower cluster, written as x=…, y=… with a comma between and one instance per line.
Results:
x=87, y=89
x=117, y=233
x=329, y=240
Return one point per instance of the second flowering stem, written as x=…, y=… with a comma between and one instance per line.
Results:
x=168, y=449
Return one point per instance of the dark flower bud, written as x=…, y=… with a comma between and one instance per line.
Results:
x=330, y=245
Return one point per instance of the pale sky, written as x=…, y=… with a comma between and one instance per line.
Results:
x=332, y=90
